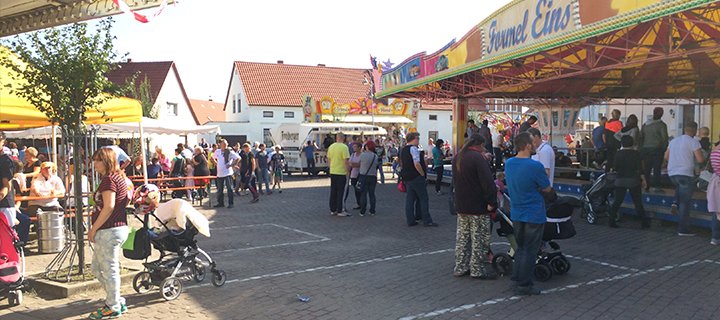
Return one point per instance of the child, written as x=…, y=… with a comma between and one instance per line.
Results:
x=277, y=163
x=501, y=189
x=189, y=183
x=154, y=170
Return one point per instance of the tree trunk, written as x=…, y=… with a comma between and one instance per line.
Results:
x=78, y=187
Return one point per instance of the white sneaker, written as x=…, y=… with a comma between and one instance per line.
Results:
x=333, y=213
x=344, y=214
x=683, y=234
x=715, y=242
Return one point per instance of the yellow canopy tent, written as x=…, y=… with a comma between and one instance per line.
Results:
x=17, y=113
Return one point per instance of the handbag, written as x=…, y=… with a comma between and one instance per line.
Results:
x=401, y=186
x=360, y=185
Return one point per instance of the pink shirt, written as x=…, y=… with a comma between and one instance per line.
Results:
x=715, y=160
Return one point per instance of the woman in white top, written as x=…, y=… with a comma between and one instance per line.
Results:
x=46, y=184
x=355, y=164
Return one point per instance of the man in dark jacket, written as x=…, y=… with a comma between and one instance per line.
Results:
x=475, y=200
x=654, y=143
x=413, y=175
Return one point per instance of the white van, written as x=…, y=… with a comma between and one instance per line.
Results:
x=293, y=137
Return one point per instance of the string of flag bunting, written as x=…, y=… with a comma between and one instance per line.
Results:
x=124, y=7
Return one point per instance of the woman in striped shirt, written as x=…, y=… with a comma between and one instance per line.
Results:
x=713, y=195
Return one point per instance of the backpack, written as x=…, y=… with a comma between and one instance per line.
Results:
x=137, y=245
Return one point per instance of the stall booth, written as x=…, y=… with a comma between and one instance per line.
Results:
x=293, y=137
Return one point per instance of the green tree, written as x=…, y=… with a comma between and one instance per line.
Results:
x=141, y=92
x=65, y=77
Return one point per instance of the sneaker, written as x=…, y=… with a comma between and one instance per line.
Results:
x=230, y=206
x=344, y=214
x=356, y=208
x=674, y=208
x=488, y=275
x=459, y=274
x=372, y=214
x=123, y=308
x=686, y=234
x=715, y=242
x=333, y=213
x=361, y=214
x=104, y=313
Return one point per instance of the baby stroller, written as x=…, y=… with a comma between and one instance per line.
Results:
x=596, y=197
x=558, y=226
x=12, y=264
x=180, y=257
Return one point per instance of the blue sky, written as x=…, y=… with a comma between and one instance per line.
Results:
x=205, y=37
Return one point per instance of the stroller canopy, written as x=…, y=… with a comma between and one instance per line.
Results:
x=181, y=211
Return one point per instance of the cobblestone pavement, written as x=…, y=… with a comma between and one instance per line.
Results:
x=378, y=268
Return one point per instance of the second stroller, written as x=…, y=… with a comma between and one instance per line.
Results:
x=558, y=226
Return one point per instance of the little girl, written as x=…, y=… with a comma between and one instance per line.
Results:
x=500, y=185
x=190, y=182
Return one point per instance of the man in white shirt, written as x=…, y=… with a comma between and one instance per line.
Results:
x=683, y=153
x=224, y=159
x=544, y=154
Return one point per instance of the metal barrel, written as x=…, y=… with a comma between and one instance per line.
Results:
x=51, y=231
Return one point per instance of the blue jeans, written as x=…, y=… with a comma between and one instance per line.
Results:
x=23, y=228
x=529, y=239
x=106, y=263
x=222, y=183
x=417, y=191
x=382, y=174
x=368, y=191
x=715, y=226
x=264, y=178
x=684, y=189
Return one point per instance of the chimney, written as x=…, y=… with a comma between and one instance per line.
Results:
x=210, y=98
x=321, y=64
x=280, y=62
x=129, y=60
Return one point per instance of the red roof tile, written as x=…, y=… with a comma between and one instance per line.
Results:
x=275, y=84
x=155, y=72
x=437, y=105
x=207, y=111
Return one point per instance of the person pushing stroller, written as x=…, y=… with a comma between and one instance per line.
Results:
x=527, y=184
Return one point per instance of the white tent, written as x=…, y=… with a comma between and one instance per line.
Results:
x=120, y=130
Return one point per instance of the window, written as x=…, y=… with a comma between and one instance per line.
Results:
x=433, y=135
x=450, y=117
x=233, y=103
x=290, y=114
x=433, y=117
x=238, y=103
x=267, y=114
x=267, y=138
x=172, y=109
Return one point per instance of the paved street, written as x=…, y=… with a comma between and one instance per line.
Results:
x=378, y=268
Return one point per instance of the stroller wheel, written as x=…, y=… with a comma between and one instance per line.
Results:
x=15, y=298
x=542, y=272
x=218, y=278
x=199, y=271
x=142, y=282
x=591, y=218
x=502, y=263
x=559, y=265
x=171, y=288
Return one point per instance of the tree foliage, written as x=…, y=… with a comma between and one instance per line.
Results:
x=65, y=72
x=141, y=92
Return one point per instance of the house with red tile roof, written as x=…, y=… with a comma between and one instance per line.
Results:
x=262, y=96
x=207, y=111
x=167, y=92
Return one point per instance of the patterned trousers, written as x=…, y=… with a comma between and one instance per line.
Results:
x=472, y=244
